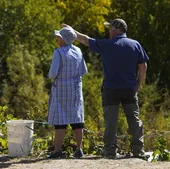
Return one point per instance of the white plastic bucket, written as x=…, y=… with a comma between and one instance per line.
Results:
x=20, y=137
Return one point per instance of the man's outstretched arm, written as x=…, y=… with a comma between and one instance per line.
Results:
x=82, y=38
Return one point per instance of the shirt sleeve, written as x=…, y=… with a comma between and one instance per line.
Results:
x=54, y=68
x=143, y=57
x=95, y=45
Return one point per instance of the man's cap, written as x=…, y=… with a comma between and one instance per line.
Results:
x=67, y=34
x=118, y=24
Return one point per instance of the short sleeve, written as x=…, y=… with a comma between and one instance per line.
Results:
x=95, y=45
x=143, y=57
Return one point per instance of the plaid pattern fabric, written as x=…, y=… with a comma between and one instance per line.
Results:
x=66, y=99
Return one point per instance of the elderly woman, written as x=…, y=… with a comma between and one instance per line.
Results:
x=66, y=100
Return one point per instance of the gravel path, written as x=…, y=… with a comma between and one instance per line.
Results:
x=88, y=162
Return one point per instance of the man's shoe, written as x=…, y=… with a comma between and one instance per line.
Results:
x=57, y=155
x=140, y=154
x=78, y=154
x=109, y=152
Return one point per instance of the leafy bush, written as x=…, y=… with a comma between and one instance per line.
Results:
x=161, y=153
x=4, y=117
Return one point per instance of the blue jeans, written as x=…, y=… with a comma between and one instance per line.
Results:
x=111, y=99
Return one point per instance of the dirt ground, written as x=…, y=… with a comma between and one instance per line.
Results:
x=88, y=162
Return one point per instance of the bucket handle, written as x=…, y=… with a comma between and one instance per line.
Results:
x=29, y=128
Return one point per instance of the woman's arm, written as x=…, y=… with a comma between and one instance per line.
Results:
x=53, y=72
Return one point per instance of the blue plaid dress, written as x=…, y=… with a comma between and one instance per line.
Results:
x=66, y=99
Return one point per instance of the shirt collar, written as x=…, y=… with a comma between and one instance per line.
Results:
x=123, y=35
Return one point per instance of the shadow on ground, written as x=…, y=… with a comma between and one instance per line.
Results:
x=6, y=161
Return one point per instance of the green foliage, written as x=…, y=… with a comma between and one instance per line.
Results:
x=25, y=90
x=30, y=23
x=161, y=153
x=4, y=117
x=41, y=145
x=92, y=142
x=149, y=97
x=90, y=14
x=25, y=52
x=154, y=113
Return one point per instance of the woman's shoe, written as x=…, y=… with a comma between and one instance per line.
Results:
x=78, y=154
x=57, y=155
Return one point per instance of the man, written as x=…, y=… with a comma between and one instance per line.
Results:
x=120, y=58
